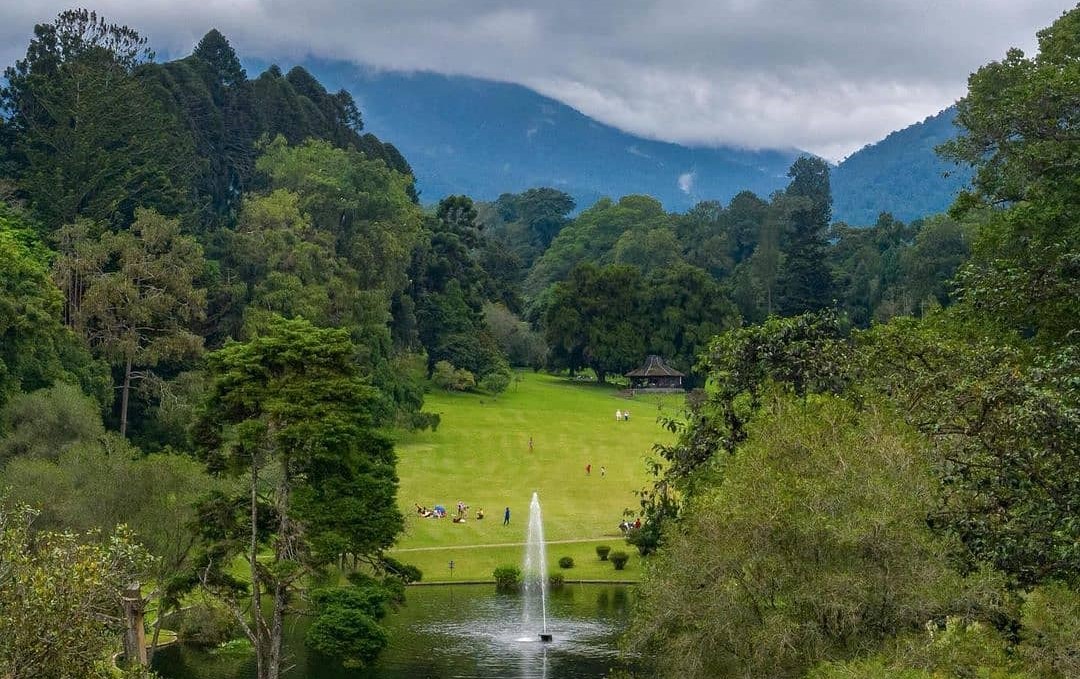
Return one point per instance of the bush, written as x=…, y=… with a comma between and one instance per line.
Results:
x=496, y=382
x=566, y=562
x=507, y=578
x=602, y=551
x=556, y=581
x=619, y=559
x=207, y=623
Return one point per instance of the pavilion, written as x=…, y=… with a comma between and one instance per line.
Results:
x=655, y=375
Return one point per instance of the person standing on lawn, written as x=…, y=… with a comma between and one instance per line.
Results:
x=506, y=517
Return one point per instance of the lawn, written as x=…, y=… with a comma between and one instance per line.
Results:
x=480, y=455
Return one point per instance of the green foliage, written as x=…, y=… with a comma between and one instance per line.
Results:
x=346, y=626
x=813, y=544
x=1050, y=631
x=496, y=382
x=206, y=623
x=44, y=424
x=805, y=281
x=593, y=320
x=566, y=562
x=522, y=346
x=1003, y=426
x=1020, y=123
x=507, y=579
x=59, y=594
x=618, y=559
x=556, y=581
x=89, y=139
x=602, y=552
x=133, y=295
x=35, y=348
x=447, y=377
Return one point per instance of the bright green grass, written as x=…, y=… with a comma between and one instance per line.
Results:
x=480, y=455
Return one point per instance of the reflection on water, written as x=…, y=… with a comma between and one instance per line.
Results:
x=458, y=632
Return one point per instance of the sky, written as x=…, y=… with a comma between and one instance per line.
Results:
x=818, y=75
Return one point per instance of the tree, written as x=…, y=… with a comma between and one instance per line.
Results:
x=1021, y=134
x=805, y=280
x=35, y=347
x=89, y=140
x=809, y=544
x=45, y=423
x=61, y=594
x=594, y=320
x=290, y=411
x=133, y=294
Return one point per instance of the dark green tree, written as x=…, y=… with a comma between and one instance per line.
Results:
x=290, y=411
x=805, y=279
x=89, y=140
x=595, y=320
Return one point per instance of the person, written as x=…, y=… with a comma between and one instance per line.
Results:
x=626, y=415
x=637, y=523
x=530, y=444
x=623, y=526
x=479, y=513
x=603, y=471
x=506, y=517
x=618, y=414
x=588, y=469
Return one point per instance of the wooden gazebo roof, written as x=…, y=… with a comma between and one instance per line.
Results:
x=654, y=367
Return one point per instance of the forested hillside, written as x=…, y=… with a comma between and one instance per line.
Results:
x=901, y=174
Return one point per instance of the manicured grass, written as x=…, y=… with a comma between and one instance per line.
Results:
x=480, y=455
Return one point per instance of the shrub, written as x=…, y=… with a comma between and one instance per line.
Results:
x=507, y=578
x=496, y=382
x=566, y=562
x=602, y=551
x=556, y=581
x=619, y=559
x=207, y=623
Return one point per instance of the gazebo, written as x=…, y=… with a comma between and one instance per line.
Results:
x=656, y=375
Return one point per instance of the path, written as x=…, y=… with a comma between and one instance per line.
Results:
x=499, y=544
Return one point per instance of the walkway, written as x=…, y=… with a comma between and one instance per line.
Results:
x=499, y=544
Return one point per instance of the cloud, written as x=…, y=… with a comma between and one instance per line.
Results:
x=823, y=75
x=686, y=182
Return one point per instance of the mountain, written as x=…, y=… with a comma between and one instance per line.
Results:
x=900, y=174
x=483, y=138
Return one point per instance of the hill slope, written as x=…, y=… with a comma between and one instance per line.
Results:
x=483, y=138
x=900, y=174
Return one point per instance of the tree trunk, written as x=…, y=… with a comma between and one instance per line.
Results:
x=283, y=551
x=135, y=630
x=256, y=593
x=124, y=398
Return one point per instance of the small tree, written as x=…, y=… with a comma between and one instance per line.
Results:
x=566, y=562
x=602, y=551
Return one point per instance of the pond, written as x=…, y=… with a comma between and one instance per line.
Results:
x=455, y=631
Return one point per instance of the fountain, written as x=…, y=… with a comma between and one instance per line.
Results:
x=534, y=574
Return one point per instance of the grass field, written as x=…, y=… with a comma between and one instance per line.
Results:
x=480, y=455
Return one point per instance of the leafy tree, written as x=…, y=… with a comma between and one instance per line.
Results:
x=811, y=544
x=45, y=423
x=522, y=346
x=35, y=347
x=1020, y=130
x=290, y=411
x=594, y=320
x=133, y=294
x=60, y=594
x=683, y=309
x=89, y=140
x=102, y=483
x=805, y=280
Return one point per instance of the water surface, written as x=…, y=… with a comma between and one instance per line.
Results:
x=456, y=632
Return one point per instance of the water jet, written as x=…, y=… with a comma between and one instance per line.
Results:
x=535, y=574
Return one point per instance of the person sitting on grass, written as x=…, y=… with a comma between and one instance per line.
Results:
x=479, y=513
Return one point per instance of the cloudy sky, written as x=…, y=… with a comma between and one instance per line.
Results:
x=823, y=75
